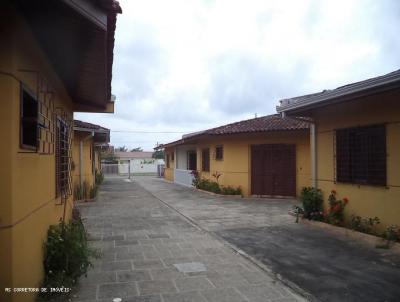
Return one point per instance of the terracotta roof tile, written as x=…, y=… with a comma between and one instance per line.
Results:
x=268, y=123
x=261, y=124
x=89, y=126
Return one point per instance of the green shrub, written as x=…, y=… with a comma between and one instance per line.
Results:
x=213, y=186
x=99, y=177
x=208, y=185
x=364, y=225
x=93, y=192
x=85, y=191
x=67, y=255
x=228, y=190
x=392, y=233
x=311, y=198
x=81, y=191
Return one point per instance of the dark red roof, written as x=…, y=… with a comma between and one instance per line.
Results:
x=268, y=123
x=261, y=124
x=89, y=126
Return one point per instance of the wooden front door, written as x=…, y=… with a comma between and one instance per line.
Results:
x=273, y=170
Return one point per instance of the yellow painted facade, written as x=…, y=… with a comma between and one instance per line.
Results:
x=364, y=200
x=236, y=164
x=84, y=170
x=28, y=204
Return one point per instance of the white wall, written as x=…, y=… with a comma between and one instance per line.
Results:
x=181, y=156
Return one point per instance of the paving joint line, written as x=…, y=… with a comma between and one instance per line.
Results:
x=298, y=290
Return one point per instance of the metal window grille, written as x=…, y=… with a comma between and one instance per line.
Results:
x=361, y=155
x=45, y=117
x=219, y=152
x=39, y=125
x=205, y=160
x=63, y=159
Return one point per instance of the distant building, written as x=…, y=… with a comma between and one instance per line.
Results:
x=139, y=162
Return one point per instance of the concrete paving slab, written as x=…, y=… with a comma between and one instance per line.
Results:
x=190, y=267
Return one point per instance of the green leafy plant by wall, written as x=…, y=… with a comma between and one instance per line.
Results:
x=99, y=177
x=93, y=192
x=213, y=186
x=85, y=191
x=228, y=190
x=311, y=199
x=67, y=256
x=196, y=178
x=392, y=233
x=364, y=225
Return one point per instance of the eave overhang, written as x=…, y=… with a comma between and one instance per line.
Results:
x=304, y=104
x=78, y=38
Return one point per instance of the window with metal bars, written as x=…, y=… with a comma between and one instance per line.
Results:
x=62, y=158
x=28, y=121
x=361, y=155
x=219, y=152
x=205, y=160
x=167, y=156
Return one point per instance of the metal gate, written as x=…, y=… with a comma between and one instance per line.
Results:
x=273, y=170
x=116, y=169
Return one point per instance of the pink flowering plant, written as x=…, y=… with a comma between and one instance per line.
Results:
x=335, y=214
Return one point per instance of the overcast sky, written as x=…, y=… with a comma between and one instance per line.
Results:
x=183, y=66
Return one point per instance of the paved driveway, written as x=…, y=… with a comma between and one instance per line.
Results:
x=152, y=253
x=313, y=259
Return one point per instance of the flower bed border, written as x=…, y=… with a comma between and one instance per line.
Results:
x=216, y=194
x=369, y=239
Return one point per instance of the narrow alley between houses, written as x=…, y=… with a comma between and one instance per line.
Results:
x=166, y=242
x=151, y=252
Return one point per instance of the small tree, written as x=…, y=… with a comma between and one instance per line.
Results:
x=108, y=157
x=122, y=149
x=137, y=149
x=159, y=154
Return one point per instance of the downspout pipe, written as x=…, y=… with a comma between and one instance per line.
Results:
x=81, y=156
x=313, y=147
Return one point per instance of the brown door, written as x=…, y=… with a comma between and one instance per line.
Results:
x=273, y=170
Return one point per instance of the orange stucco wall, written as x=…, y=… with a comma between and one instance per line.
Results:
x=83, y=170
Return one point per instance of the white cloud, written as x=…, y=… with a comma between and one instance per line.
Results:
x=190, y=65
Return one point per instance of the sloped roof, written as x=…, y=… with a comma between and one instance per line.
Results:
x=80, y=125
x=268, y=123
x=261, y=124
x=342, y=93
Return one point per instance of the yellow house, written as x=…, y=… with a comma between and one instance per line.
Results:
x=55, y=59
x=355, y=144
x=265, y=156
x=86, y=162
